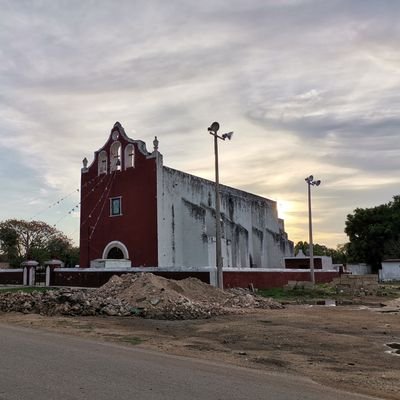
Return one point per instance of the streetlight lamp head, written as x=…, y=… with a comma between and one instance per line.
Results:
x=214, y=127
x=310, y=178
x=317, y=183
x=227, y=135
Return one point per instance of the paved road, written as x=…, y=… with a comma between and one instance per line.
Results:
x=46, y=366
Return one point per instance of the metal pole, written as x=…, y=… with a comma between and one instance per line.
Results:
x=311, y=246
x=220, y=277
x=88, y=244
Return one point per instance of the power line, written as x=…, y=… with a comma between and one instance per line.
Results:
x=98, y=201
x=82, y=200
x=54, y=204
x=102, y=207
x=69, y=213
x=59, y=201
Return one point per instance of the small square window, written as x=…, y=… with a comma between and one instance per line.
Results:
x=115, y=206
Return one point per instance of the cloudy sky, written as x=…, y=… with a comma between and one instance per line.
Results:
x=308, y=86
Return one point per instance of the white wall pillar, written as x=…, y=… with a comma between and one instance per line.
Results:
x=25, y=277
x=48, y=270
x=32, y=276
x=213, y=276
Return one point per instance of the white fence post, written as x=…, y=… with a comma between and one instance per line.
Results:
x=47, y=276
x=25, y=277
x=32, y=276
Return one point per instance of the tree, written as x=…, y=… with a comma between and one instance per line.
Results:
x=20, y=240
x=374, y=233
x=9, y=245
x=391, y=248
x=339, y=255
x=303, y=246
x=62, y=249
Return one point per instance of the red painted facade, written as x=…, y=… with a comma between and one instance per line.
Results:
x=136, y=227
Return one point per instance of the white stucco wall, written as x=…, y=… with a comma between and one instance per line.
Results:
x=390, y=271
x=359, y=269
x=110, y=263
x=326, y=263
x=252, y=232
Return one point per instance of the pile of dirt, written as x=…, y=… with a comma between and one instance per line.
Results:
x=161, y=298
x=142, y=294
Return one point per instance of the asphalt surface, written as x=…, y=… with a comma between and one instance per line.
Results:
x=43, y=366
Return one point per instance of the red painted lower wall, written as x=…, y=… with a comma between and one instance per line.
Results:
x=273, y=279
x=11, y=278
x=260, y=280
x=81, y=278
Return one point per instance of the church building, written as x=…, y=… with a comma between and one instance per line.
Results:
x=135, y=209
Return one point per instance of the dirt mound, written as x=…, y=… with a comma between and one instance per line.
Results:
x=142, y=294
x=158, y=297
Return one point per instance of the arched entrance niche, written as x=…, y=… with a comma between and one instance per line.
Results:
x=115, y=250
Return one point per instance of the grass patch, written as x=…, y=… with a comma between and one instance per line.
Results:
x=133, y=340
x=325, y=291
x=86, y=327
x=300, y=293
x=389, y=289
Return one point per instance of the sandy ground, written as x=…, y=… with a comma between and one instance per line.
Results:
x=343, y=347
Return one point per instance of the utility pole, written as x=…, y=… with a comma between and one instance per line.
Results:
x=213, y=130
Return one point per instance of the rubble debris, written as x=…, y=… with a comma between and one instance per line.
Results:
x=142, y=294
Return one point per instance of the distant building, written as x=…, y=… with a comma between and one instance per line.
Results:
x=390, y=270
x=301, y=261
x=136, y=209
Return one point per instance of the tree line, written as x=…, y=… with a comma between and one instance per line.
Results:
x=22, y=240
x=339, y=255
x=374, y=235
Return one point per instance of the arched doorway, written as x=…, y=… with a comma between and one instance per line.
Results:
x=115, y=250
x=115, y=253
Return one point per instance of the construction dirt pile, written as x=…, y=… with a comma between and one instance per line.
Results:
x=142, y=294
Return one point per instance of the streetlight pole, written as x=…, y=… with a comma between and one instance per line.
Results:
x=311, y=182
x=218, y=252
x=213, y=130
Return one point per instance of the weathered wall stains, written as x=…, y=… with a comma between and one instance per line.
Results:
x=196, y=211
x=173, y=233
x=194, y=246
x=252, y=234
x=258, y=240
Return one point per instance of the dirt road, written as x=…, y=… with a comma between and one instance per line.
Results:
x=343, y=347
x=53, y=366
